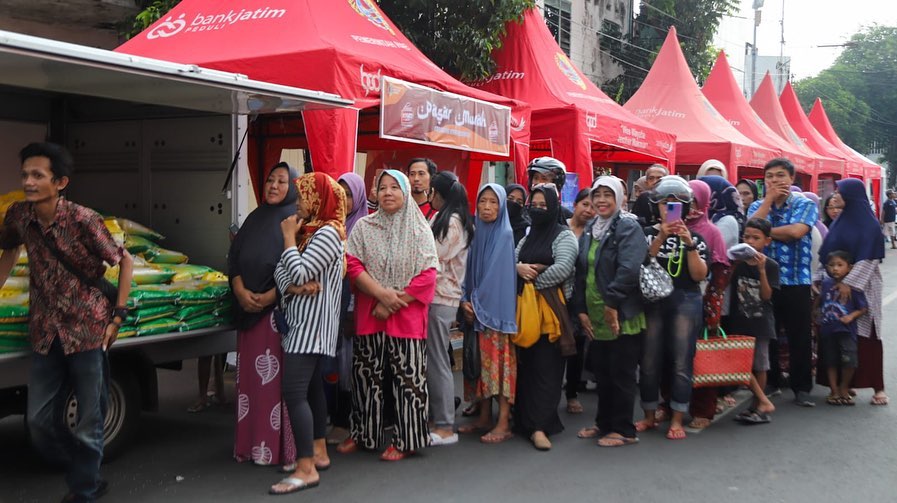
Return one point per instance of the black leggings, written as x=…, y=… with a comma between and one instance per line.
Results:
x=303, y=392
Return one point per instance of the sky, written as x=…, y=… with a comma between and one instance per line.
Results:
x=808, y=24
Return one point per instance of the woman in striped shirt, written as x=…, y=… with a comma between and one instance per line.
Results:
x=392, y=266
x=309, y=278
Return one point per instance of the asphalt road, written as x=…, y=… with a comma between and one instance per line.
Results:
x=825, y=454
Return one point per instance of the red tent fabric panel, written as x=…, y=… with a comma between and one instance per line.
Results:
x=820, y=121
x=723, y=92
x=567, y=107
x=801, y=125
x=670, y=99
x=766, y=103
x=343, y=47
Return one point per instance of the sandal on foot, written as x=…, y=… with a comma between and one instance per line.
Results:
x=293, y=485
x=589, y=432
x=676, y=434
x=436, y=439
x=614, y=440
x=495, y=438
x=744, y=415
x=348, y=446
x=201, y=405
x=879, y=399
x=644, y=425
x=847, y=400
x=393, y=454
x=756, y=417
x=574, y=406
x=833, y=400
x=699, y=423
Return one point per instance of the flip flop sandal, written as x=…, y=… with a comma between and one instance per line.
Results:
x=846, y=400
x=642, y=426
x=879, y=400
x=589, y=432
x=295, y=485
x=392, y=454
x=609, y=441
x=757, y=418
x=833, y=400
x=348, y=446
x=676, y=434
x=746, y=413
x=700, y=423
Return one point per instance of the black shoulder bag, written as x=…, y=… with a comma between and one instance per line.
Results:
x=108, y=290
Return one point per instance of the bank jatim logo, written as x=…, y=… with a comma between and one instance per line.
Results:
x=368, y=9
x=370, y=81
x=167, y=28
x=567, y=69
x=591, y=121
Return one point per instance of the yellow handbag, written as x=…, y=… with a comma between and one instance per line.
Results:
x=534, y=318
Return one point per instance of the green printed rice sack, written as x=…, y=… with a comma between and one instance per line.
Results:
x=16, y=284
x=152, y=313
x=137, y=244
x=132, y=228
x=151, y=276
x=205, y=293
x=190, y=312
x=15, y=331
x=185, y=272
x=19, y=271
x=13, y=314
x=151, y=296
x=158, y=255
x=160, y=326
x=127, y=331
x=204, y=321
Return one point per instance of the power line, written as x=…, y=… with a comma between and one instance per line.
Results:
x=624, y=61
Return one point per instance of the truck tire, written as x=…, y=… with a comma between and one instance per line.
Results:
x=122, y=413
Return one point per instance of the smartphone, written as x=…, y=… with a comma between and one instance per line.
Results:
x=674, y=212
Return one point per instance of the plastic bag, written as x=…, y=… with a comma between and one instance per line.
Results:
x=14, y=331
x=204, y=321
x=152, y=313
x=12, y=313
x=158, y=255
x=191, y=312
x=16, y=284
x=118, y=235
x=20, y=271
x=126, y=331
x=214, y=276
x=151, y=276
x=185, y=272
x=160, y=326
x=132, y=228
x=204, y=293
x=138, y=244
x=152, y=295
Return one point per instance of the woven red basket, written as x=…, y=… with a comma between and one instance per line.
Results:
x=723, y=361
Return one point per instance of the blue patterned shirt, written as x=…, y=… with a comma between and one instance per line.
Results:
x=794, y=257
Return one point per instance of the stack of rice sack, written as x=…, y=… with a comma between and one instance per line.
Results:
x=167, y=293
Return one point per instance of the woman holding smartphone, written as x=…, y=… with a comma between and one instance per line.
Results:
x=672, y=323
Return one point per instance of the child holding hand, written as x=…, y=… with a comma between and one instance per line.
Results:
x=838, y=307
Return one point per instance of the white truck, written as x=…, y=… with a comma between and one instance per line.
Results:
x=154, y=142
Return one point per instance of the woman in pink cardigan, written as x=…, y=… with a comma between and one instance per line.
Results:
x=391, y=263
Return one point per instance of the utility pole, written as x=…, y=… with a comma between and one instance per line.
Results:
x=782, y=50
x=758, y=4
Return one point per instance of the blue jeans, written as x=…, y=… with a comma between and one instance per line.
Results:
x=669, y=347
x=79, y=451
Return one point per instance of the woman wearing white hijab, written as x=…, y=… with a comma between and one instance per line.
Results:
x=607, y=300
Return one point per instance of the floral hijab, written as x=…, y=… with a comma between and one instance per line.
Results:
x=326, y=206
x=394, y=248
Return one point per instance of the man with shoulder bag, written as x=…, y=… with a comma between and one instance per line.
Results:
x=75, y=313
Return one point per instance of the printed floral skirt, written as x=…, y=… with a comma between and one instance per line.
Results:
x=498, y=375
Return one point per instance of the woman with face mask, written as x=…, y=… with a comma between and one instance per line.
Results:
x=517, y=213
x=545, y=261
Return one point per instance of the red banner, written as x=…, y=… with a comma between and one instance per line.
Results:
x=418, y=114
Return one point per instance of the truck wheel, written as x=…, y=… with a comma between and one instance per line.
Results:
x=122, y=414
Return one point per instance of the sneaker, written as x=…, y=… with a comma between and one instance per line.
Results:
x=436, y=440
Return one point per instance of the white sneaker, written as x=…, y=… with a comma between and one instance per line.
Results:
x=436, y=440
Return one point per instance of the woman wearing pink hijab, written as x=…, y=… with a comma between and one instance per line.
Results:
x=703, y=400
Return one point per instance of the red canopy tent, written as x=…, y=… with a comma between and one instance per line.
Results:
x=723, y=92
x=572, y=119
x=340, y=47
x=872, y=172
x=766, y=103
x=670, y=99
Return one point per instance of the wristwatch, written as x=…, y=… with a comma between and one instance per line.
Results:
x=691, y=248
x=121, y=313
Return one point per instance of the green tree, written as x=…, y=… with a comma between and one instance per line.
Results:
x=859, y=92
x=696, y=22
x=458, y=36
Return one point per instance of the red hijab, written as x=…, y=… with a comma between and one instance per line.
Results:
x=326, y=206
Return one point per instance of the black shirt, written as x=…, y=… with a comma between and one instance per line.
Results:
x=889, y=211
x=748, y=313
x=671, y=248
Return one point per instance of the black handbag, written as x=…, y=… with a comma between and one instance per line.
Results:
x=471, y=364
x=105, y=287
